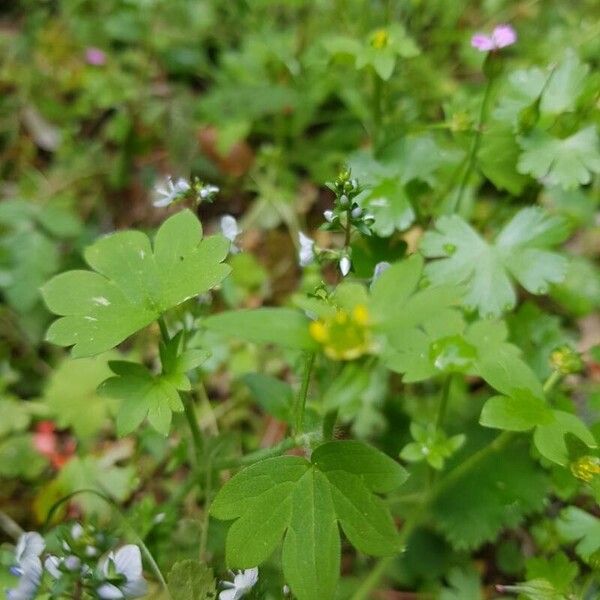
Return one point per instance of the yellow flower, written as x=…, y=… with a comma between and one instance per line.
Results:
x=380, y=39
x=344, y=335
x=586, y=468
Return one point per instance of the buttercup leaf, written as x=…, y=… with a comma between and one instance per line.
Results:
x=132, y=284
x=520, y=252
x=303, y=502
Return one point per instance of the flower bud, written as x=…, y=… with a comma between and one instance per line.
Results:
x=565, y=360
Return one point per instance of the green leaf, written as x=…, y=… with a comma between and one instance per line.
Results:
x=522, y=88
x=311, y=548
x=520, y=251
x=557, y=569
x=132, y=284
x=465, y=585
x=19, y=458
x=303, y=502
x=497, y=493
x=142, y=395
x=15, y=416
x=72, y=397
x=576, y=525
x=378, y=471
x=281, y=326
x=565, y=85
x=101, y=475
x=498, y=156
x=499, y=362
x=32, y=259
x=390, y=205
x=579, y=292
x=411, y=319
x=273, y=395
x=191, y=580
x=550, y=441
x=566, y=162
x=520, y=412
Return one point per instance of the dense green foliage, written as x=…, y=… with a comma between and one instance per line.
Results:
x=308, y=289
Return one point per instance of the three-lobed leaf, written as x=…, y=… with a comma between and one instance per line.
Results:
x=304, y=502
x=132, y=283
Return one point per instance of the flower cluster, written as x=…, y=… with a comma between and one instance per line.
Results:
x=345, y=216
x=174, y=191
x=83, y=563
x=346, y=212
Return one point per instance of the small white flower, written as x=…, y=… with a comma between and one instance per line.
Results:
x=52, y=564
x=345, y=265
x=229, y=227
x=328, y=214
x=306, y=254
x=170, y=191
x=30, y=576
x=29, y=544
x=76, y=531
x=243, y=582
x=127, y=561
x=207, y=192
x=380, y=268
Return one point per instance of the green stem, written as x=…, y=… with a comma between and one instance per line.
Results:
x=192, y=419
x=206, y=515
x=474, y=145
x=329, y=424
x=164, y=332
x=300, y=404
x=443, y=407
x=552, y=380
x=377, y=108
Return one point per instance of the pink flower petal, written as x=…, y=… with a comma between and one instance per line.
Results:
x=504, y=35
x=482, y=42
x=95, y=56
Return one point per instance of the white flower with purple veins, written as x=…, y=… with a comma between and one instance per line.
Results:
x=501, y=37
x=170, y=191
x=28, y=566
x=306, y=254
x=242, y=583
x=123, y=572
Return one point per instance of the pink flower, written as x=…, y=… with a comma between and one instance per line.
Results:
x=502, y=36
x=95, y=56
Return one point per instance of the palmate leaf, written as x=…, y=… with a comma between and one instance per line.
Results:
x=576, y=525
x=520, y=251
x=142, y=395
x=411, y=318
x=499, y=492
x=303, y=502
x=567, y=162
x=132, y=283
